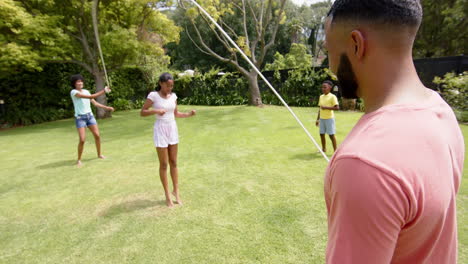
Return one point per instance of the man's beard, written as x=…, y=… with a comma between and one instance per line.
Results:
x=346, y=78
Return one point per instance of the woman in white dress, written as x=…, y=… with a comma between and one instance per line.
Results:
x=163, y=104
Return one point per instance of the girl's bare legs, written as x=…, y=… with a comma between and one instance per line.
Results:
x=333, y=140
x=97, y=139
x=324, y=144
x=163, y=160
x=172, y=149
x=81, y=138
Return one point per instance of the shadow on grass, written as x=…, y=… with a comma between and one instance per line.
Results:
x=130, y=206
x=62, y=163
x=308, y=156
x=4, y=188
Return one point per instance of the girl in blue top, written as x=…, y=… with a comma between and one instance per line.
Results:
x=84, y=116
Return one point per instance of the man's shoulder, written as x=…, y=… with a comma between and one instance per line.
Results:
x=389, y=138
x=369, y=135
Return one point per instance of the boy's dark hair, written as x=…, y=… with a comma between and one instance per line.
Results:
x=329, y=83
x=75, y=78
x=164, y=78
x=393, y=12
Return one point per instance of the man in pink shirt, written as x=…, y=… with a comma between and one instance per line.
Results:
x=390, y=188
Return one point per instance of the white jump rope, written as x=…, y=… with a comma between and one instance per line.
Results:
x=96, y=33
x=261, y=75
x=96, y=36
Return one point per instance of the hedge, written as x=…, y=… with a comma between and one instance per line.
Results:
x=35, y=97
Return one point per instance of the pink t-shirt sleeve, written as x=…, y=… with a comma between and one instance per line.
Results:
x=367, y=208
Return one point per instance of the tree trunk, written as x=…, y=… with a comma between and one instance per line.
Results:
x=100, y=83
x=255, y=97
x=348, y=104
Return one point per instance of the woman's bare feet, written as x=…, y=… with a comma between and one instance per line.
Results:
x=101, y=156
x=169, y=203
x=79, y=164
x=179, y=201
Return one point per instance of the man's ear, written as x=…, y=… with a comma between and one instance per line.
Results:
x=359, y=44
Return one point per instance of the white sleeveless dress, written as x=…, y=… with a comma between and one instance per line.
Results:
x=165, y=128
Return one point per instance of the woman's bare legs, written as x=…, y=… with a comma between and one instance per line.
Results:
x=163, y=161
x=172, y=149
x=81, y=142
x=97, y=139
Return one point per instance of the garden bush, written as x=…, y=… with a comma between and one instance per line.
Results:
x=212, y=89
x=35, y=97
x=301, y=86
x=454, y=89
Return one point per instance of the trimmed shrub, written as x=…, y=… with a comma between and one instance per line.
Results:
x=212, y=89
x=301, y=87
x=35, y=97
x=454, y=89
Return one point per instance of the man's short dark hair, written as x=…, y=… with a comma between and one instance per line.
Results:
x=329, y=83
x=392, y=12
x=75, y=78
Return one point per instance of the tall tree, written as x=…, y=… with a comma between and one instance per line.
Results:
x=131, y=32
x=185, y=55
x=296, y=58
x=260, y=22
x=312, y=18
x=444, y=29
x=26, y=38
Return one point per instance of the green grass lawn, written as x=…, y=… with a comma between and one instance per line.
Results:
x=251, y=181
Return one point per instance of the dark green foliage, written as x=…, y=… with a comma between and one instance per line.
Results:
x=301, y=87
x=128, y=83
x=32, y=97
x=454, y=89
x=298, y=87
x=444, y=29
x=212, y=89
x=122, y=104
x=35, y=97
